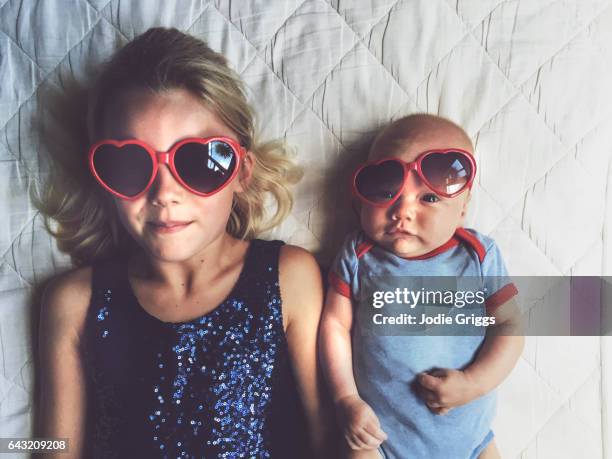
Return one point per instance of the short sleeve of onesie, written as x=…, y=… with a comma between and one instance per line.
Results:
x=498, y=285
x=343, y=272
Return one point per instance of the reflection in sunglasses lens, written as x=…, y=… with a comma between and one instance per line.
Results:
x=380, y=183
x=126, y=170
x=447, y=173
x=205, y=167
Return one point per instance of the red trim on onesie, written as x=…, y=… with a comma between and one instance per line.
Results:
x=501, y=296
x=363, y=248
x=339, y=285
x=471, y=241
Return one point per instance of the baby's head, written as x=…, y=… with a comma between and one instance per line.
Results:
x=414, y=208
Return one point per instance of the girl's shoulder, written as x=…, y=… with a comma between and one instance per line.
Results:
x=294, y=259
x=65, y=302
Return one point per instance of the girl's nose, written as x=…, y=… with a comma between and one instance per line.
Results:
x=406, y=205
x=165, y=189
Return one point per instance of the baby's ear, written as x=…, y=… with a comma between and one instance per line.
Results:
x=246, y=171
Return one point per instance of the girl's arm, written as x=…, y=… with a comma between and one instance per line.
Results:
x=62, y=382
x=302, y=293
x=361, y=427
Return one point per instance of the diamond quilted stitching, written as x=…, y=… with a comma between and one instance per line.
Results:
x=472, y=13
x=322, y=149
x=465, y=86
x=346, y=103
x=222, y=36
x=522, y=36
x=558, y=437
x=591, y=262
x=16, y=407
x=22, y=255
x=586, y=402
x=399, y=35
x=321, y=184
x=258, y=20
x=282, y=106
x=15, y=360
x=39, y=117
x=5, y=155
x=98, y=5
x=501, y=152
x=362, y=16
x=295, y=52
x=525, y=396
x=565, y=205
x=562, y=365
x=483, y=211
x=54, y=116
x=15, y=67
x=45, y=114
x=50, y=43
x=81, y=65
x=522, y=255
x=292, y=231
x=565, y=75
x=16, y=207
x=25, y=148
x=594, y=152
x=135, y=17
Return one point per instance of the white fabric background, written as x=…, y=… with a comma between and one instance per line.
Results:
x=529, y=80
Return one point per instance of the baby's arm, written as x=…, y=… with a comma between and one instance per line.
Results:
x=360, y=424
x=444, y=389
x=62, y=380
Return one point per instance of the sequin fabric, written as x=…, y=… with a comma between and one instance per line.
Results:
x=213, y=387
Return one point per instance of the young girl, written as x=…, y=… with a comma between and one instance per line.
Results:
x=180, y=335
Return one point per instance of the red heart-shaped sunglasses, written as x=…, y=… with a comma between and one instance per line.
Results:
x=445, y=172
x=127, y=168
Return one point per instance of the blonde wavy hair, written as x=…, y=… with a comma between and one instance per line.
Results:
x=82, y=217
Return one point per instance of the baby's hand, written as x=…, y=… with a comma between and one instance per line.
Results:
x=360, y=425
x=443, y=389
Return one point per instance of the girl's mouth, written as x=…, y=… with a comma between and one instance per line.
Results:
x=164, y=227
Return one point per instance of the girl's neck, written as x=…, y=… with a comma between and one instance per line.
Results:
x=185, y=273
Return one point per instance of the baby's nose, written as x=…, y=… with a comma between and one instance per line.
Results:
x=406, y=206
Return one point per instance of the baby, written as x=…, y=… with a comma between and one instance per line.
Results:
x=416, y=396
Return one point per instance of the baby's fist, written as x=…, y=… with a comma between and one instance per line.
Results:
x=360, y=424
x=444, y=389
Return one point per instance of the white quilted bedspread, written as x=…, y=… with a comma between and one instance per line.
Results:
x=530, y=80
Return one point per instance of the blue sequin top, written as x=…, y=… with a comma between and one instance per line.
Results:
x=218, y=386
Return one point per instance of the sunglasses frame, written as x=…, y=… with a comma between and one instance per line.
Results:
x=166, y=157
x=416, y=166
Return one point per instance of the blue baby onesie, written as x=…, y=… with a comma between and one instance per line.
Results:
x=385, y=367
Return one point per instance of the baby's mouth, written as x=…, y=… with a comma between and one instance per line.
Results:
x=398, y=231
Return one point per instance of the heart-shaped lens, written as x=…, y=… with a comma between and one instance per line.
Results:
x=380, y=183
x=447, y=173
x=205, y=167
x=125, y=170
